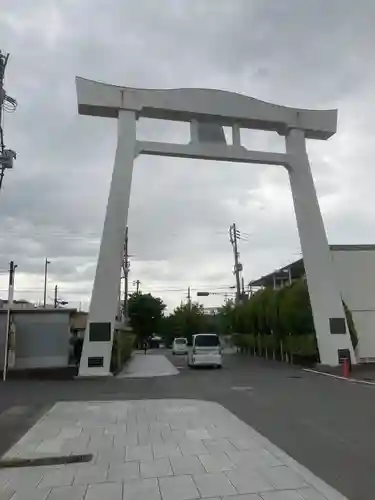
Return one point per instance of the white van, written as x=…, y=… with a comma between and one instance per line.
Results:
x=180, y=346
x=206, y=351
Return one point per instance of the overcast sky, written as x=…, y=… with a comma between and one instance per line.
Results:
x=309, y=54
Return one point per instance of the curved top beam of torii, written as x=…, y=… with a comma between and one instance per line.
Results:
x=218, y=106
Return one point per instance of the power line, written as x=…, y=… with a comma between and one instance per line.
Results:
x=93, y=237
x=83, y=290
x=8, y=104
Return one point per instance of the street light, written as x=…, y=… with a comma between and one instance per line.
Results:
x=58, y=302
x=45, y=281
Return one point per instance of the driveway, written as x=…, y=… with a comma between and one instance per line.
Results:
x=323, y=423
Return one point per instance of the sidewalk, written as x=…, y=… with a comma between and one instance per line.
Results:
x=362, y=372
x=155, y=450
x=148, y=365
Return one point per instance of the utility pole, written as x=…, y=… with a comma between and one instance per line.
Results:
x=125, y=269
x=189, y=298
x=57, y=301
x=233, y=237
x=9, y=104
x=46, y=262
x=137, y=283
x=12, y=269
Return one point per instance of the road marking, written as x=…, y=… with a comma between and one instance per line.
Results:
x=353, y=380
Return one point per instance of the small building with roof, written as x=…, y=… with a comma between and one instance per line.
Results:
x=39, y=337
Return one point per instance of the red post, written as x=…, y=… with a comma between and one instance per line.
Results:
x=345, y=368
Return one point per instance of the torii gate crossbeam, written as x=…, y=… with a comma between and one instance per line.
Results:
x=208, y=111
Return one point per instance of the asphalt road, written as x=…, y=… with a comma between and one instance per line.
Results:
x=325, y=424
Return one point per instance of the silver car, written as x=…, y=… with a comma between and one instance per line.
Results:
x=180, y=346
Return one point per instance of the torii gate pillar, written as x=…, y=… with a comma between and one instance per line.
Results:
x=208, y=111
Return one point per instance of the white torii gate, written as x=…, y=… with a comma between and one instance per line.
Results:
x=208, y=111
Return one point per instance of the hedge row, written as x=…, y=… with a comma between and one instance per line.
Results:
x=122, y=348
x=279, y=322
x=303, y=346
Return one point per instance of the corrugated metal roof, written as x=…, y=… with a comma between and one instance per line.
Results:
x=297, y=268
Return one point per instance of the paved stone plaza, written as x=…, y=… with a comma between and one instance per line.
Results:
x=145, y=365
x=155, y=450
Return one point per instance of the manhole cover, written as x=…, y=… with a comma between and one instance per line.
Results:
x=6, y=463
x=242, y=388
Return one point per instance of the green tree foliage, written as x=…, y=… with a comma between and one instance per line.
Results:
x=122, y=347
x=189, y=319
x=295, y=310
x=273, y=322
x=225, y=318
x=145, y=313
x=167, y=329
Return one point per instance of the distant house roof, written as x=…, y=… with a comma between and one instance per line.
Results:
x=38, y=310
x=5, y=301
x=21, y=301
x=297, y=268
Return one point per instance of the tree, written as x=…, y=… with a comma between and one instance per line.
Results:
x=279, y=321
x=226, y=317
x=189, y=320
x=295, y=310
x=167, y=329
x=145, y=313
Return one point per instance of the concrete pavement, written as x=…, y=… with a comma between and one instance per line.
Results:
x=148, y=365
x=155, y=450
x=325, y=424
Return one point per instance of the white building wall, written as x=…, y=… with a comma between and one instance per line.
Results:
x=355, y=271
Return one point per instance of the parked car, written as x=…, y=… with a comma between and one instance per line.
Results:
x=180, y=346
x=154, y=342
x=206, y=351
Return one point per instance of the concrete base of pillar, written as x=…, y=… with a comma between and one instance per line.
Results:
x=93, y=375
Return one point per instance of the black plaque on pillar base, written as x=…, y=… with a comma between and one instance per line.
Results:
x=337, y=326
x=95, y=362
x=100, y=332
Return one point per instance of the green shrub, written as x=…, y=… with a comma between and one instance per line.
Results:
x=249, y=341
x=243, y=341
x=269, y=342
x=304, y=346
x=122, y=348
x=279, y=322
